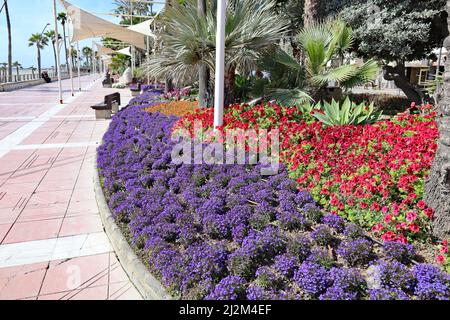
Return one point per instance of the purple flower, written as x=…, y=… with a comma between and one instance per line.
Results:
x=431, y=283
x=229, y=288
x=356, y=252
x=399, y=251
x=322, y=235
x=334, y=222
x=312, y=278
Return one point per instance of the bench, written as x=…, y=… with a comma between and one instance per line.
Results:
x=110, y=105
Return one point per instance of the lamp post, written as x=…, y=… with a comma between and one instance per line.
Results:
x=220, y=63
x=58, y=64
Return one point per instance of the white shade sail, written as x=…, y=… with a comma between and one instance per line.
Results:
x=125, y=51
x=102, y=50
x=143, y=28
x=86, y=26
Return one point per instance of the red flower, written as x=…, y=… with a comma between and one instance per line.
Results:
x=414, y=228
x=440, y=259
x=421, y=204
x=388, y=218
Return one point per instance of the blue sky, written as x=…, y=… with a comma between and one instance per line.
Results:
x=30, y=16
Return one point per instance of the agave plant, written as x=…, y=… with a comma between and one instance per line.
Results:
x=325, y=46
x=348, y=113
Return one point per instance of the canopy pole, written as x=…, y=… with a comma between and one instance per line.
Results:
x=220, y=63
x=148, y=58
x=79, y=65
x=70, y=63
x=93, y=61
x=58, y=64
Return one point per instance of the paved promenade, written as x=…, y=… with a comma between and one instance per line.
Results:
x=52, y=244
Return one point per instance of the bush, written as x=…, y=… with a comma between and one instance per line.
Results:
x=165, y=207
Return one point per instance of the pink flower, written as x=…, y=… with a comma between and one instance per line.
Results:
x=411, y=216
x=440, y=259
x=385, y=210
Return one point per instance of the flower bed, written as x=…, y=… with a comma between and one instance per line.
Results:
x=176, y=108
x=226, y=232
x=372, y=175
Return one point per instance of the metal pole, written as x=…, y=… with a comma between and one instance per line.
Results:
x=93, y=62
x=220, y=63
x=70, y=63
x=58, y=67
x=79, y=65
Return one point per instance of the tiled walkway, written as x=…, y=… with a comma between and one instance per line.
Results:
x=52, y=244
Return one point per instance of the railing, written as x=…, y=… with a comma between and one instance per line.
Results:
x=30, y=76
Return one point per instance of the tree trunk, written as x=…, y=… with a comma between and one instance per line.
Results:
x=65, y=46
x=312, y=12
x=398, y=75
x=437, y=187
x=8, y=23
x=54, y=56
x=230, y=78
x=203, y=70
x=168, y=85
x=39, y=61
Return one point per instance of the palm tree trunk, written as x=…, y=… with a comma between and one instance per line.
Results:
x=39, y=61
x=437, y=188
x=8, y=23
x=230, y=78
x=54, y=56
x=203, y=71
x=311, y=12
x=65, y=46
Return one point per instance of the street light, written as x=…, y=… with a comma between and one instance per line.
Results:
x=220, y=63
x=58, y=64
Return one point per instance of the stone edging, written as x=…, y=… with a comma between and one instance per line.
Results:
x=147, y=285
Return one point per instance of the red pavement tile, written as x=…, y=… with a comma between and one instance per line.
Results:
x=76, y=274
x=21, y=282
x=123, y=291
x=81, y=225
x=8, y=215
x=33, y=230
x=4, y=228
x=47, y=198
x=92, y=293
x=42, y=212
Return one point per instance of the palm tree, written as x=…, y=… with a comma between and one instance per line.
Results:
x=189, y=40
x=87, y=52
x=311, y=12
x=8, y=25
x=203, y=70
x=324, y=47
x=51, y=36
x=18, y=66
x=62, y=17
x=437, y=188
x=33, y=69
x=40, y=42
x=74, y=57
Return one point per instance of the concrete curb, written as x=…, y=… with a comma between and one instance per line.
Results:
x=147, y=285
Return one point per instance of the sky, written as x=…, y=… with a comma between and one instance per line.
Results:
x=31, y=16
